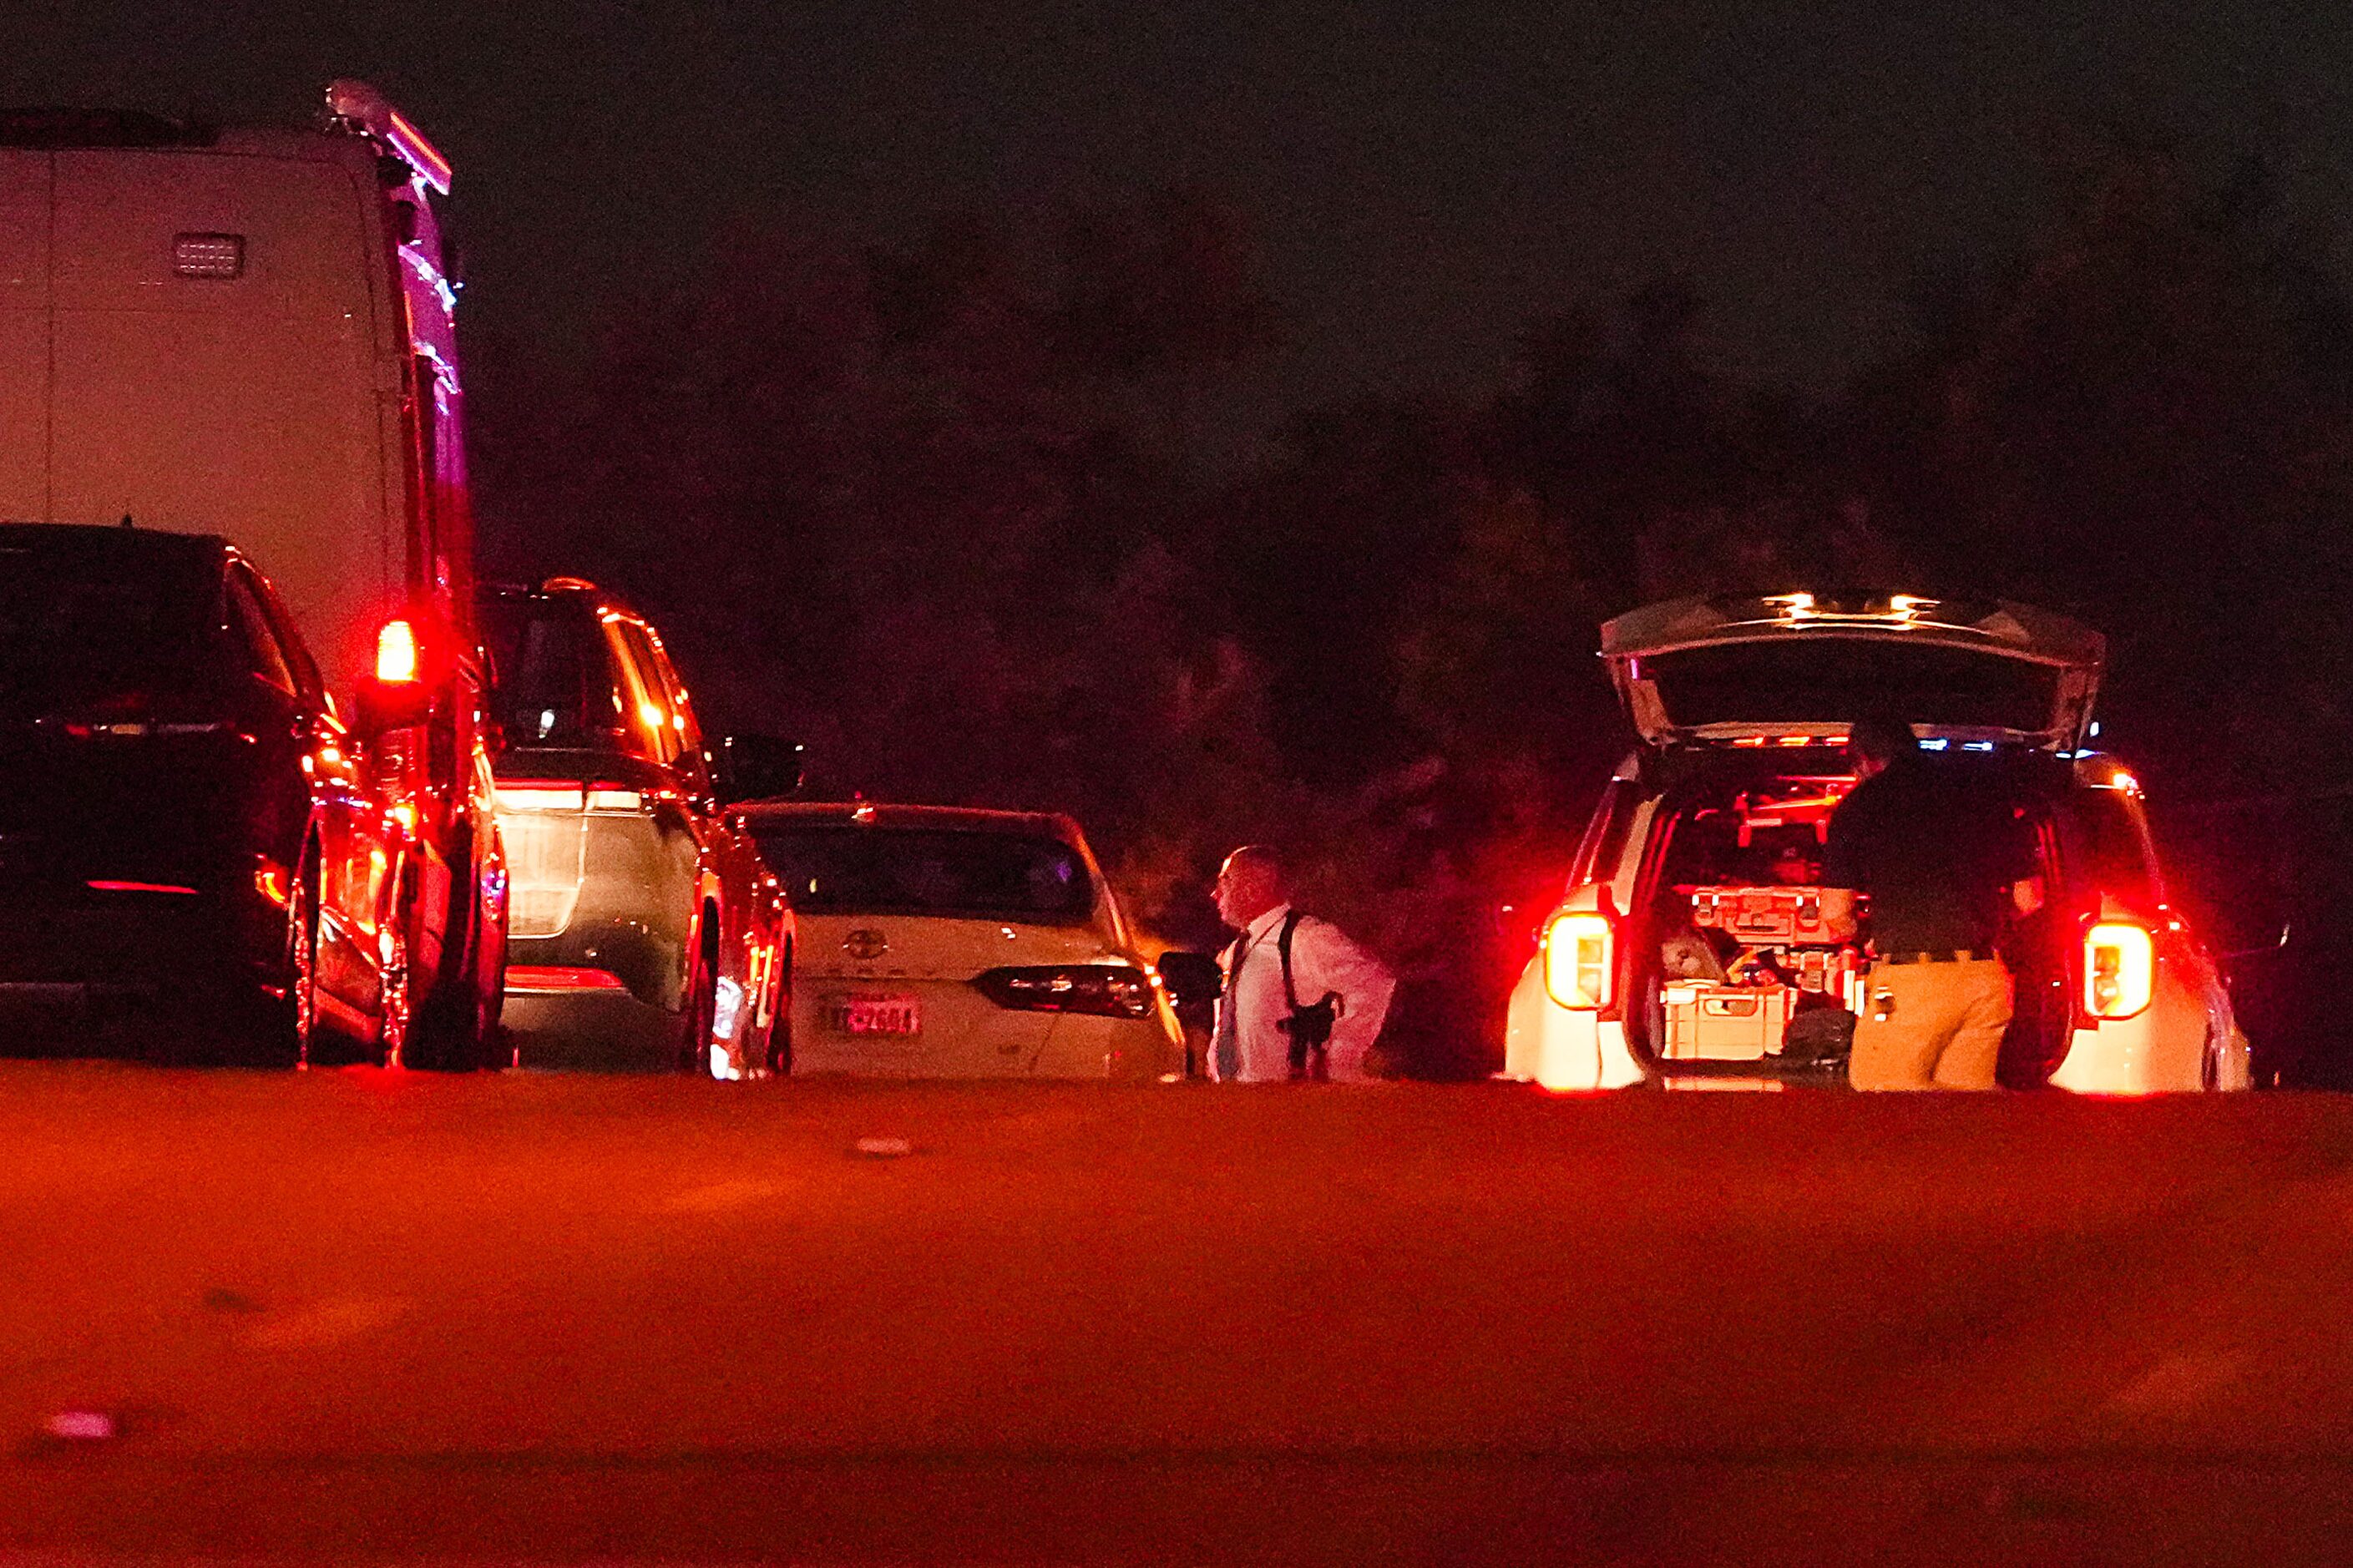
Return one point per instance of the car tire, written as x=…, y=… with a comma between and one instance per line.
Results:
x=282, y=1027
x=302, y=966
x=456, y=1028
x=698, y=1013
x=780, y=1021
x=392, y=1016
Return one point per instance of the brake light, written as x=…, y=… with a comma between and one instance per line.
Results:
x=561, y=977
x=1577, y=946
x=396, y=654
x=1103, y=990
x=2119, y=970
x=539, y=794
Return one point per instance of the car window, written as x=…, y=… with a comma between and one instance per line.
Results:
x=649, y=697
x=2106, y=843
x=1605, y=833
x=682, y=718
x=255, y=636
x=845, y=868
x=553, y=684
x=91, y=620
x=307, y=682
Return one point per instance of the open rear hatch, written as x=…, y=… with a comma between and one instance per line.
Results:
x=1789, y=668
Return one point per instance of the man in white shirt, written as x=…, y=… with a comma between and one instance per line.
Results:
x=1251, y=1043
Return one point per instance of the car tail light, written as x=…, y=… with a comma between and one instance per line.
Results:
x=539, y=794
x=1577, y=948
x=561, y=977
x=1104, y=990
x=396, y=654
x=564, y=795
x=2119, y=970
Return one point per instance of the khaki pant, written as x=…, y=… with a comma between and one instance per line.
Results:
x=1943, y=1030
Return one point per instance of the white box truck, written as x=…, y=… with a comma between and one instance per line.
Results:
x=249, y=333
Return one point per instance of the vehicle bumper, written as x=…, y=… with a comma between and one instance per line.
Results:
x=1033, y=1046
x=605, y=1031
x=72, y=968
x=140, y=940
x=1546, y=1043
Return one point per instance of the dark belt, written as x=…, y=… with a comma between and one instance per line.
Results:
x=1941, y=955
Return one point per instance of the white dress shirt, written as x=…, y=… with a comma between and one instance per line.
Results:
x=1322, y=961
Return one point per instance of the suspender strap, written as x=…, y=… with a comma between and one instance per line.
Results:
x=1282, y=946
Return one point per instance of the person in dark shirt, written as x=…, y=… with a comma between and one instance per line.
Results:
x=1944, y=863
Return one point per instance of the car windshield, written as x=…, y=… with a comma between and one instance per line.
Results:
x=554, y=683
x=90, y=618
x=848, y=867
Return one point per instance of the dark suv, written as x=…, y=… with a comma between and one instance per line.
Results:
x=187, y=847
x=644, y=930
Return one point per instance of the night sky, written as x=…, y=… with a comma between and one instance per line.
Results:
x=1424, y=179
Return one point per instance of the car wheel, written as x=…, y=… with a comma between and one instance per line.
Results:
x=299, y=1016
x=780, y=1022
x=455, y=1028
x=392, y=1019
x=244, y=1022
x=698, y=1019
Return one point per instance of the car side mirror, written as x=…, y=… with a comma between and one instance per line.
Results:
x=758, y=767
x=1191, y=977
x=379, y=706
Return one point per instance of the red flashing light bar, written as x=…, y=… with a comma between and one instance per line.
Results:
x=102, y=887
x=545, y=977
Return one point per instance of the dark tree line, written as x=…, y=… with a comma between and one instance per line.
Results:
x=931, y=507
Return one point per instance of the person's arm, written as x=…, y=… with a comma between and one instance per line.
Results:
x=1325, y=961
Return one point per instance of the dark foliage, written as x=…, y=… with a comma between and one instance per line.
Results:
x=934, y=510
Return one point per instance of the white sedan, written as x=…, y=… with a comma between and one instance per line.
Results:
x=936, y=942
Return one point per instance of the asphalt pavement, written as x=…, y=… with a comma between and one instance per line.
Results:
x=357, y=1316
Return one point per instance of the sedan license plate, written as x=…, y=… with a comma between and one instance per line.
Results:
x=874, y=1014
